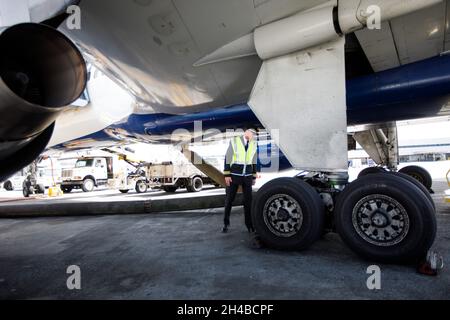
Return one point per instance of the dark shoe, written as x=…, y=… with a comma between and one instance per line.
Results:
x=225, y=229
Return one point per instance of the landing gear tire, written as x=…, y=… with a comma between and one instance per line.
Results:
x=8, y=186
x=196, y=185
x=141, y=187
x=88, y=185
x=171, y=189
x=288, y=214
x=385, y=218
x=371, y=170
x=420, y=174
x=418, y=185
x=66, y=189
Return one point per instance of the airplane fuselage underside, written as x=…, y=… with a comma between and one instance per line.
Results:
x=422, y=92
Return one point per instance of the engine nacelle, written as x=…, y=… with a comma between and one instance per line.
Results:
x=41, y=72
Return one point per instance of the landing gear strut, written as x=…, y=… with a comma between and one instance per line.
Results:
x=382, y=147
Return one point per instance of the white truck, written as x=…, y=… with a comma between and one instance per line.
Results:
x=89, y=172
x=15, y=182
x=166, y=176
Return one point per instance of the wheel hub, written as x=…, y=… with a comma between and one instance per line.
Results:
x=283, y=215
x=417, y=177
x=89, y=185
x=380, y=220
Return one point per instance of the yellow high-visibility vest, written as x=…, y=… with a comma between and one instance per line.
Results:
x=240, y=156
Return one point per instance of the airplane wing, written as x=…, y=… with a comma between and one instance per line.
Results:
x=401, y=41
x=407, y=39
x=150, y=47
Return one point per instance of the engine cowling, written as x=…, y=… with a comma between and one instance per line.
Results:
x=41, y=72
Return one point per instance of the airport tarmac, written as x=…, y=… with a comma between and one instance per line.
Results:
x=185, y=256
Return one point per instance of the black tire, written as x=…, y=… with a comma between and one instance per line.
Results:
x=67, y=189
x=195, y=185
x=88, y=185
x=25, y=192
x=416, y=227
x=124, y=191
x=420, y=174
x=40, y=189
x=26, y=189
x=418, y=185
x=8, y=186
x=141, y=187
x=288, y=190
x=371, y=170
x=171, y=189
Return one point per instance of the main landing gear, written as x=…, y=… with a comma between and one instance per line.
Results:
x=383, y=217
x=418, y=173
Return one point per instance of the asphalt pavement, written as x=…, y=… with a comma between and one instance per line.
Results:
x=185, y=256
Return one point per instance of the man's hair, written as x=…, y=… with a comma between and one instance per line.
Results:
x=253, y=130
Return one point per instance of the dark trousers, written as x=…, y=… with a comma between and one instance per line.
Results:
x=247, y=184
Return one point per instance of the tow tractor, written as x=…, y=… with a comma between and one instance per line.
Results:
x=39, y=178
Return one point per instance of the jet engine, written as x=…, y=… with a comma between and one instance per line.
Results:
x=41, y=72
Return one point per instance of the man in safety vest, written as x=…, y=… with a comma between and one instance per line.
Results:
x=241, y=170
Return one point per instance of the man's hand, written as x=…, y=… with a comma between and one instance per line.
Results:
x=228, y=181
